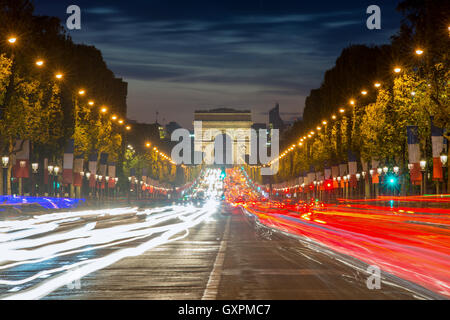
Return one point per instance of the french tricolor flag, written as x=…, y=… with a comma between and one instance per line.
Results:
x=352, y=168
x=68, y=163
x=92, y=168
x=437, y=140
x=414, y=154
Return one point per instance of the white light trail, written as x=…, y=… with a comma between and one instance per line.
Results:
x=161, y=225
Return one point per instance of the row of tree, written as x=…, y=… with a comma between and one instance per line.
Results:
x=374, y=125
x=49, y=111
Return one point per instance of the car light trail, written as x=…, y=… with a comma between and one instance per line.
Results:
x=63, y=247
x=159, y=226
x=410, y=242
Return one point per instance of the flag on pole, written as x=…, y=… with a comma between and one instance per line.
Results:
x=437, y=140
x=103, y=164
x=343, y=169
x=21, y=168
x=352, y=168
x=414, y=154
x=335, y=171
x=68, y=163
x=311, y=175
x=92, y=168
x=112, y=174
x=327, y=171
x=78, y=164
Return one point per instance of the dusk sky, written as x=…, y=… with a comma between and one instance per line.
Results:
x=179, y=56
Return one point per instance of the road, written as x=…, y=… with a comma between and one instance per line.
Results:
x=177, y=252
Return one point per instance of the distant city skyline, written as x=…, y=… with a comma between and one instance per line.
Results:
x=179, y=57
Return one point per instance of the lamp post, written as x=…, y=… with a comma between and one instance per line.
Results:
x=88, y=179
x=358, y=178
x=34, y=169
x=444, y=160
x=107, y=187
x=50, y=176
x=423, y=166
x=5, y=163
x=56, y=171
x=100, y=179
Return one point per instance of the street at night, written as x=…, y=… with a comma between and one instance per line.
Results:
x=226, y=251
x=224, y=159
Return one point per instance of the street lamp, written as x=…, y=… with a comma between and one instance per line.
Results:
x=59, y=76
x=396, y=169
x=12, y=40
x=379, y=171
x=419, y=52
x=385, y=170
x=39, y=63
x=358, y=176
x=35, y=167
x=398, y=70
x=5, y=162
x=444, y=159
x=423, y=165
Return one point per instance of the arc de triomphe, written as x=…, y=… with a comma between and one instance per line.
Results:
x=234, y=129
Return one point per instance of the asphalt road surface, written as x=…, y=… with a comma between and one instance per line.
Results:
x=178, y=252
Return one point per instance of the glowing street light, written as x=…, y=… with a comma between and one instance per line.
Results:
x=364, y=92
x=104, y=110
x=12, y=40
x=398, y=70
x=128, y=128
x=148, y=144
x=91, y=103
x=352, y=102
x=444, y=159
x=324, y=122
x=39, y=63
x=114, y=118
x=120, y=121
x=419, y=52
x=377, y=85
x=59, y=76
x=333, y=117
x=341, y=110
x=5, y=161
x=423, y=165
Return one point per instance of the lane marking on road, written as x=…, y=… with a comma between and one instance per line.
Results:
x=212, y=287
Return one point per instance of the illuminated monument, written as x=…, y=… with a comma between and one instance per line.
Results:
x=223, y=135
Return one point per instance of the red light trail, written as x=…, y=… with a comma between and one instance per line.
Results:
x=410, y=242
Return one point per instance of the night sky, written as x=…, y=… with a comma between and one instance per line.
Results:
x=179, y=55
